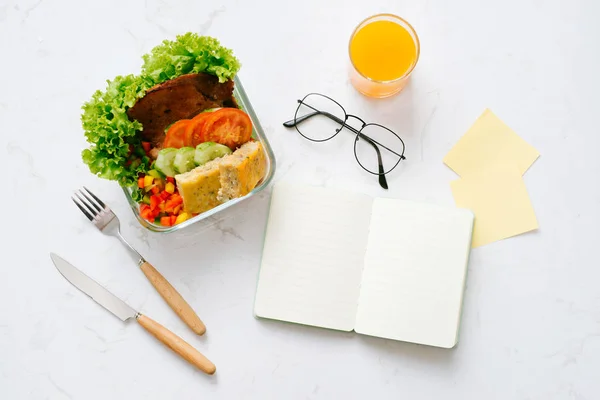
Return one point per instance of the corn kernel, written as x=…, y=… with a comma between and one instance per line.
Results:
x=182, y=217
x=169, y=187
x=148, y=180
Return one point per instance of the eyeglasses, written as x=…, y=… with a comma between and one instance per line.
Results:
x=377, y=149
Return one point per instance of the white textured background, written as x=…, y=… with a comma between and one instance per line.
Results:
x=531, y=324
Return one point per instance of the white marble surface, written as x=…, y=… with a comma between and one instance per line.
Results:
x=531, y=324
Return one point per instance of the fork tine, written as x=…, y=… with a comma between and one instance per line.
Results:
x=85, y=203
x=83, y=210
x=90, y=201
x=95, y=198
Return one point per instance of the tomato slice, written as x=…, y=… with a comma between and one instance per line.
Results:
x=176, y=134
x=229, y=126
x=193, y=130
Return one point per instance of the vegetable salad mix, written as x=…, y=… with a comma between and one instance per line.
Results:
x=116, y=150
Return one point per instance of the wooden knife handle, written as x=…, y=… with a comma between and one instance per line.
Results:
x=173, y=298
x=177, y=344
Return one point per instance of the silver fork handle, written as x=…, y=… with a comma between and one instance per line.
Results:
x=140, y=259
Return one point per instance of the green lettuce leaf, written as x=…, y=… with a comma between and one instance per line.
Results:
x=190, y=53
x=110, y=131
x=114, y=138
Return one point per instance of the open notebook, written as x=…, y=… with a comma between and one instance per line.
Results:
x=381, y=267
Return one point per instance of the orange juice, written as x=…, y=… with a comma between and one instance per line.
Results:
x=383, y=50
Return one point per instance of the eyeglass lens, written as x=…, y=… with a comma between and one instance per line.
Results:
x=388, y=143
x=316, y=126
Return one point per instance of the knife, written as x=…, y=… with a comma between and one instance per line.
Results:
x=124, y=312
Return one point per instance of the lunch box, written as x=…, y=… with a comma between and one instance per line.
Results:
x=257, y=133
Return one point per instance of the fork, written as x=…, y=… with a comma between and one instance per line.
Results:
x=108, y=223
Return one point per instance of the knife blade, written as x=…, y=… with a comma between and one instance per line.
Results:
x=93, y=289
x=124, y=312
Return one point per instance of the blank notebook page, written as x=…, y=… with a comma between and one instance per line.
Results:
x=313, y=256
x=414, y=272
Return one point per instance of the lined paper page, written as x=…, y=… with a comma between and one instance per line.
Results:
x=414, y=273
x=313, y=256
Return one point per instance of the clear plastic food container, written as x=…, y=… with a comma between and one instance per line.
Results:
x=257, y=133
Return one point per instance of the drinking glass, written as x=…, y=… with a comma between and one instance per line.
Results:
x=382, y=56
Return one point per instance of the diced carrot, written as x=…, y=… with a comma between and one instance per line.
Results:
x=155, y=202
x=146, y=146
x=141, y=182
x=176, y=198
x=166, y=221
x=173, y=219
x=146, y=212
x=165, y=195
x=155, y=190
x=177, y=209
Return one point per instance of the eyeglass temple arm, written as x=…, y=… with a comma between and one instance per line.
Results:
x=293, y=122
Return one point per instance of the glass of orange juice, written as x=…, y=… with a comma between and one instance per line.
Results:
x=384, y=50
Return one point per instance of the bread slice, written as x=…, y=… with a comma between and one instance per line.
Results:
x=199, y=187
x=222, y=179
x=241, y=171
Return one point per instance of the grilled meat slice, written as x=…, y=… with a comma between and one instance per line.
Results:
x=180, y=98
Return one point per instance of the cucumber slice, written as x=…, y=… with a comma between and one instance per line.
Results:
x=202, y=155
x=184, y=160
x=164, y=161
x=209, y=151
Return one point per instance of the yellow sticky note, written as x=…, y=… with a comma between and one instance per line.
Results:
x=498, y=198
x=489, y=142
